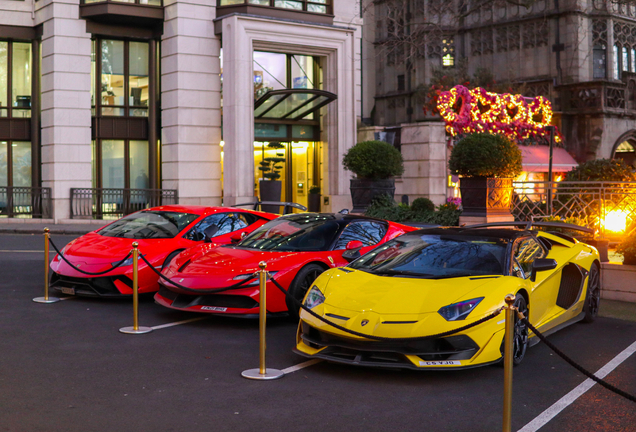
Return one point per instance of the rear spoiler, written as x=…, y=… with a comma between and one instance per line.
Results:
x=286, y=205
x=530, y=224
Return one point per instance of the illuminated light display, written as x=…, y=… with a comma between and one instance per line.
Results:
x=477, y=110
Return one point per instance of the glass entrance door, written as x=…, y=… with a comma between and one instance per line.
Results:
x=292, y=163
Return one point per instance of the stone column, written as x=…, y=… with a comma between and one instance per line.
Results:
x=191, y=102
x=424, y=153
x=66, y=102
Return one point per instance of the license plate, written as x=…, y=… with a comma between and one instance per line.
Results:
x=67, y=290
x=441, y=363
x=214, y=308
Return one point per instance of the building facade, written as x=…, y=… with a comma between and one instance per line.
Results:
x=580, y=54
x=114, y=102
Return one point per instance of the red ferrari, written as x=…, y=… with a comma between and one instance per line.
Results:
x=297, y=248
x=162, y=233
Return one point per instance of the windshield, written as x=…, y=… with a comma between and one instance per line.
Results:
x=295, y=233
x=149, y=225
x=435, y=257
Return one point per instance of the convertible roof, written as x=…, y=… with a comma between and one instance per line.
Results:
x=499, y=233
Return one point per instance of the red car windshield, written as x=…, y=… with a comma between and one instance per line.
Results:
x=149, y=225
x=295, y=233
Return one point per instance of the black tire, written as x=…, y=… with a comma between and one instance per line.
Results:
x=520, y=336
x=299, y=287
x=593, y=296
x=170, y=257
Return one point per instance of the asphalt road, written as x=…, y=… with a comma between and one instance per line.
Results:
x=66, y=367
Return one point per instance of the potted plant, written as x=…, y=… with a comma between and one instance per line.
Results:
x=627, y=247
x=270, y=187
x=313, y=200
x=487, y=165
x=374, y=163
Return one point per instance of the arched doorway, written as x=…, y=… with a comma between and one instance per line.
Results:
x=625, y=148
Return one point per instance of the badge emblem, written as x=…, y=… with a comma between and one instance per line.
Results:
x=364, y=322
x=330, y=259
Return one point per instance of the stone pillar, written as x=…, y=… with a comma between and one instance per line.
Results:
x=191, y=102
x=424, y=153
x=66, y=102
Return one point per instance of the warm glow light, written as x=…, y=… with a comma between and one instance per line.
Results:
x=477, y=110
x=615, y=221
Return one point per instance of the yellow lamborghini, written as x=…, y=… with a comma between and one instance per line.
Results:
x=435, y=280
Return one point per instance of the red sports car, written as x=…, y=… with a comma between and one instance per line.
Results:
x=296, y=248
x=162, y=233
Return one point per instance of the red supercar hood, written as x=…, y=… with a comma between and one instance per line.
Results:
x=96, y=249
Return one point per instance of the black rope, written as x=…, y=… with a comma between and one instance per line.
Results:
x=380, y=338
x=199, y=291
x=85, y=272
x=576, y=365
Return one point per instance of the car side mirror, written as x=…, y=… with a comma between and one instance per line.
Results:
x=542, y=264
x=354, y=244
x=237, y=237
x=209, y=232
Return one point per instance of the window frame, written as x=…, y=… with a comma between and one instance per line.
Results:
x=513, y=256
x=9, y=107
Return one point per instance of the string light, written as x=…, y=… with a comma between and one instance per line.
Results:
x=477, y=110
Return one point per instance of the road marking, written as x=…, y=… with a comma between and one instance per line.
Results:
x=23, y=251
x=300, y=366
x=569, y=398
x=162, y=326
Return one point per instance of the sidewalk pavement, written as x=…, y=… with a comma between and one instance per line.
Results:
x=70, y=227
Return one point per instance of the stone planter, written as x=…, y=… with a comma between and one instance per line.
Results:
x=483, y=196
x=313, y=202
x=364, y=191
x=270, y=191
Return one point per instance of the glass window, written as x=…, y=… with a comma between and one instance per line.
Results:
x=598, y=66
x=257, y=2
x=112, y=77
x=21, y=79
x=226, y=223
x=615, y=61
x=625, y=59
x=4, y=73
x=368, y=232
x=289, y=4
x=21, y=160
x=633, y=60
x=526, y=251
x=302, y=72
x=139, y=165
x=113, y=164
x=270, y=72
x=149, y=224
x=138, y=77
x=320, y=8
x=4, y=166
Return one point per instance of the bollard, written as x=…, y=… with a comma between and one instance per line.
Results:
x=135, y=329
x=262, y=373
x=46, y=298
x=508, y=345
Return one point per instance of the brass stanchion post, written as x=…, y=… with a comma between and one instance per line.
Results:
x=508, y=364
x=135, y=329
x=46, y=298
x=262, y=373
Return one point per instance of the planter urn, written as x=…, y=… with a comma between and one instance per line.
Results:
x=270, y=191
x=313, y=202
x=485, y=196
x=363, y=192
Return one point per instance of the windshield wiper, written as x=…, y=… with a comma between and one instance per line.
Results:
x=448, y=276
x=390, y=272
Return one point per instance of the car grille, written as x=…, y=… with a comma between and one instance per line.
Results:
x=219, y=300
x=459, y=347
x=98, y=287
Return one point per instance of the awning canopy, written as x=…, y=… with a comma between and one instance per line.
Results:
x=291, y=104
x=536, y=159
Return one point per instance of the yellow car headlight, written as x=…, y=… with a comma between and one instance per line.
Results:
x=459, y=311
x=314, y=298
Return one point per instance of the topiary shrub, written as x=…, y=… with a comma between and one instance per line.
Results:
x=628, y=248
x=374, y=160
x=602, y=170
x=422, y=205
x=485, y=155
x=383, y=207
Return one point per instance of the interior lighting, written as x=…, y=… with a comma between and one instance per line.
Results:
x=615, y=221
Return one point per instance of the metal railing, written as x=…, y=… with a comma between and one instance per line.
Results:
x=34, y=202
x=95, y=203
x=602, y=206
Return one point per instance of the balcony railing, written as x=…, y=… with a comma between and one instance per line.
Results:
x=607, y=207
x=596, y=97
x=33, y=202
x=92, y=203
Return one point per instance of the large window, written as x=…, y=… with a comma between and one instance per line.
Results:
x=120, y=164
x=123, y=68
x=319, y=6
x=15, y=163
x=15, y=79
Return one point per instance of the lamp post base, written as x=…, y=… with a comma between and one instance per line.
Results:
x=255, y=374
x=45, y=300
x=131, y=330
